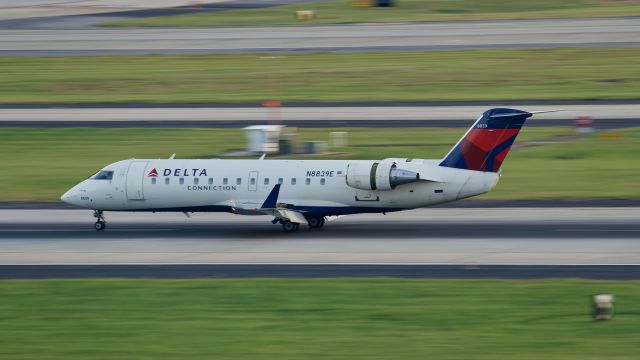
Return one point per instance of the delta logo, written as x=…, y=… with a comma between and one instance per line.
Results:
x=153, y=173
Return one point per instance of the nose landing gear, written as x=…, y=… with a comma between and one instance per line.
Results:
x=100, y=223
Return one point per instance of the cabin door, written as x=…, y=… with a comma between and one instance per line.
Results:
x=135, y=180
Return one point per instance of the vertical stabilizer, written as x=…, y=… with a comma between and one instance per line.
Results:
x=486, y=144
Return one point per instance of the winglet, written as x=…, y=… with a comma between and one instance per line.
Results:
x=272, y=199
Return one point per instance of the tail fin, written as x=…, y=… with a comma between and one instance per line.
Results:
x=486, y=144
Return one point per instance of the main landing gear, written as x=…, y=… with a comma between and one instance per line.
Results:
x=288, y=226
x=316, y=222
x=100, y=223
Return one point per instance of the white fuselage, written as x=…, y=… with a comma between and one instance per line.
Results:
x=316, y=187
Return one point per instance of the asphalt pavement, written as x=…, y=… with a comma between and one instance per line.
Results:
x=596, y=242
x=432, y=236
x=546, y=33
x=606, y=116
x=595, y=272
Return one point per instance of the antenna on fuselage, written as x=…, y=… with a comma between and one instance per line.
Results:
x=263, y=156
x=172, y=156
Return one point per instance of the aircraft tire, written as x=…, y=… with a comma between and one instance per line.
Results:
x=100, y=225
x=316, y=223
x=290, y=227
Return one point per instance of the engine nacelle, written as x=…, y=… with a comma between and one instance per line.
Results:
x=378, y=175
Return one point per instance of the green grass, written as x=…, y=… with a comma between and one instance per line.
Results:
x=481, y=75
x=40, y=164
x=342, y=11
x=315, y=319
x=587, y=168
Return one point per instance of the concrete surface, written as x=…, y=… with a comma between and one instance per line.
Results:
x=370, y=114
x=516, y=236
x=366, y=37
x=25, y=9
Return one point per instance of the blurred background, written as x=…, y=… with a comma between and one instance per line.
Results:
x=87, y=83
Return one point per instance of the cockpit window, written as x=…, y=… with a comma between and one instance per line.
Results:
x=104, y=175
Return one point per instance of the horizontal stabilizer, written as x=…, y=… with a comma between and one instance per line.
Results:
x=514, y=114
x=546, y=111
x=506, y=115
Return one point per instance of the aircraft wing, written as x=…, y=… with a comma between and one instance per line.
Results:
x=272, y=207
x=292, y=215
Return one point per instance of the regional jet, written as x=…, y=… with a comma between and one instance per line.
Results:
x=308, y=192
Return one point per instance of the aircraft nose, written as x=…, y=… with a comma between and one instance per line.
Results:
x=66, y=197
x=71, y=197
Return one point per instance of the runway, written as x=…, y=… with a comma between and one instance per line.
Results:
x=596, y=272
x=64, y=14
x=545, y=33
x=607, y=116
x=437, y=236
x=601, y=124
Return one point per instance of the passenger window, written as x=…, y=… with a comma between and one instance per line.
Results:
x=210, y=181
x=166, y=181
x=181, y=181
x=280, y=181
x=266, y=181
x=253, y=181
x=293, y=181
x=196, y=181
x=307, y=181
x=103, y=175
x=225, y=181
x=238, y=181
x=153, y=181
x=322, y=181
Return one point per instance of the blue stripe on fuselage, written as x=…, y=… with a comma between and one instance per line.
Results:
x=307, y=210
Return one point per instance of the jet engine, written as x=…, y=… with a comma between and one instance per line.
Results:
x=378, y=175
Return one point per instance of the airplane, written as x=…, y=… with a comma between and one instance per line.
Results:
x=308, y=192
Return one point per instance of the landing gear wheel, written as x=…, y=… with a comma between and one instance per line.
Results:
x=289, y=227
x=316, y=223
x=99, y=225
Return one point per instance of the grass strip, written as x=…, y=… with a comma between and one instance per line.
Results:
x=476, y=75
x=40, y=164
x=315, y=319
x=342, y=11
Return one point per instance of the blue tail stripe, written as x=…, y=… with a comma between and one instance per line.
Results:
x=491, y=157
x=455, y=159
